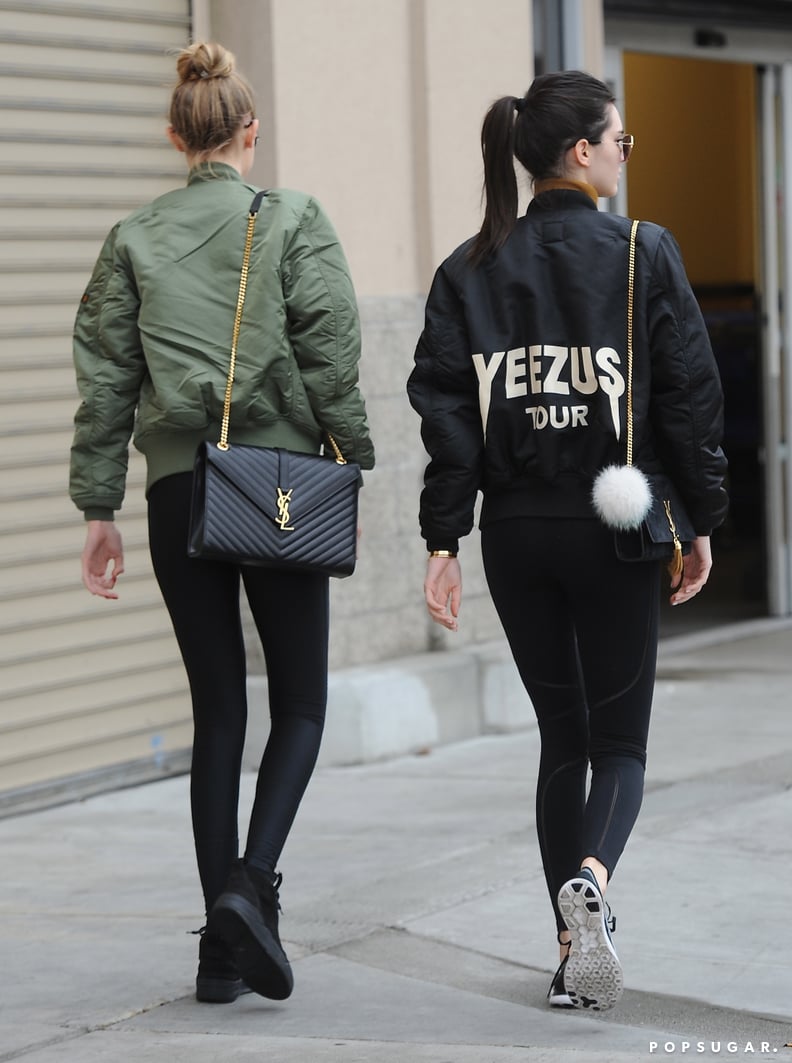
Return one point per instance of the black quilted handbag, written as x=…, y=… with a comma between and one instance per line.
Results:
x=268, y=506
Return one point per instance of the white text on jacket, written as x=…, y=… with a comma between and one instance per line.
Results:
x=547, y=369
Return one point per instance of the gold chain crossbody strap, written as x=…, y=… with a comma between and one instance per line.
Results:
x=251, y=225
x=630, y=303
x=243, y=279
x=677, y=562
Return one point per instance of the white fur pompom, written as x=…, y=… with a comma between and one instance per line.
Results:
x=621, y=496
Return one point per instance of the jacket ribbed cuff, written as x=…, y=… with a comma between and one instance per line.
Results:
x=443, y=544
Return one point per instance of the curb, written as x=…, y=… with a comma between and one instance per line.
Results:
x=409, y=705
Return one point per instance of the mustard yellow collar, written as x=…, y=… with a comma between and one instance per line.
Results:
x=549, y=183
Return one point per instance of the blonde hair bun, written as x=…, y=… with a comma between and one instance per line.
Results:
x=212, y=100
x=204, y=60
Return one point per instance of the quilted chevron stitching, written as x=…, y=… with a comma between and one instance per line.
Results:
x=324, y=536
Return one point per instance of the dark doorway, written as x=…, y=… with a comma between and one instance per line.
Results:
x=683, y=112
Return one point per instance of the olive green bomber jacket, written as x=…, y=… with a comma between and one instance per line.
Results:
x=153, y=335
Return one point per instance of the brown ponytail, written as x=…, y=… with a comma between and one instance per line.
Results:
x=211, y=100
x=557, y=111
x=500, y=180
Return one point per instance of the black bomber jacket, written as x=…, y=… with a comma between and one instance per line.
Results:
x=520, y=373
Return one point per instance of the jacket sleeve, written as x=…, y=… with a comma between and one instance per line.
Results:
x=110, y=367
x=324, y=331
x=686, y=409
x=443, y=390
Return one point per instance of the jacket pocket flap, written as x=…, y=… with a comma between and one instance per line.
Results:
x=667, y=506
x=282, y=485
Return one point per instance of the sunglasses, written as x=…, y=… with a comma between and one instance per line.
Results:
x=626, y=143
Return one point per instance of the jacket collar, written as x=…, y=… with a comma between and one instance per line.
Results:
x=557, y=191
x=213, y=171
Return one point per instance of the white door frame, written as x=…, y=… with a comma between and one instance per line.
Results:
x=772, y=245
x=777, y=203
x=759, y=47
x=786, y=303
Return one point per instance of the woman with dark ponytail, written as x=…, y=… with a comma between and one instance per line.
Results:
x=521, y=382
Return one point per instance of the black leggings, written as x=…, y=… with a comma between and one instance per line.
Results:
x=582, y=627
x=291, y=614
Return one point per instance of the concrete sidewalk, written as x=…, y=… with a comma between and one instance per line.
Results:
x=415, y=911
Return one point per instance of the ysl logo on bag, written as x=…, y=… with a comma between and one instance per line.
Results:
x=283, y=517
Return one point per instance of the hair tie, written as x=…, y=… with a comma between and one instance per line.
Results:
x=519, y=104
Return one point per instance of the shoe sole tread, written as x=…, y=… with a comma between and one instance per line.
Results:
x=262, y=963
x=593, y=977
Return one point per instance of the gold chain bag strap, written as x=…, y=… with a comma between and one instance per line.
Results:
x=644, y=509
x=267, y=505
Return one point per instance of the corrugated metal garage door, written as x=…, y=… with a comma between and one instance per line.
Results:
x=86, y=684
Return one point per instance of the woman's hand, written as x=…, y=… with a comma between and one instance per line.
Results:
x=102, y=558
x=697, y=569
x=443, y=591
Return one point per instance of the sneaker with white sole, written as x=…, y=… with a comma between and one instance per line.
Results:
x=592, y=975
x=557, y=996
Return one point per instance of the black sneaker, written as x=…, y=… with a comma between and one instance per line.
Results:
x=218, y=980
x=593, y=974
x=245, y=916
x=557, y=996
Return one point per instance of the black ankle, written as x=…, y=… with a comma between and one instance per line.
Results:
x=261, y=877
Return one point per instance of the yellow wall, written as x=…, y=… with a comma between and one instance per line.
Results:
x=694, y=167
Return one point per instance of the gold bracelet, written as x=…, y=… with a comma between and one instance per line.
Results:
x=442, y=553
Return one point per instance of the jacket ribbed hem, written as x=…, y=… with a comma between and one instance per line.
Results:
x=170, y=453
x=564, y=497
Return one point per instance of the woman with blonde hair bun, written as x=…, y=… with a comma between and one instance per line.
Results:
x=151, y=349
